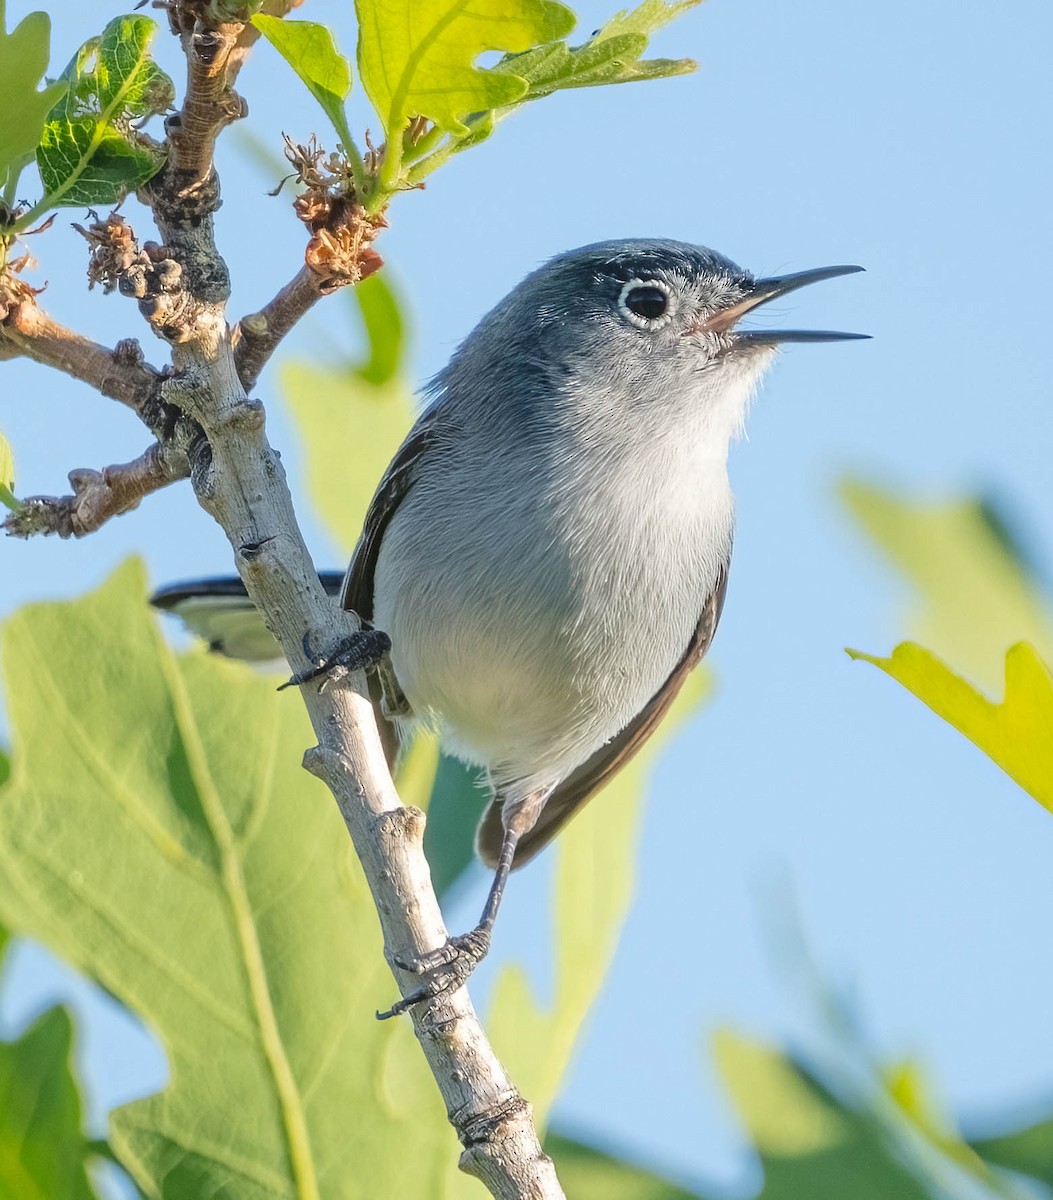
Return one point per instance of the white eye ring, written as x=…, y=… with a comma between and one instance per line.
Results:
x=636, y=319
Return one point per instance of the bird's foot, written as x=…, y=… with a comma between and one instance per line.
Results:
x=360, y=652
x=444, y=969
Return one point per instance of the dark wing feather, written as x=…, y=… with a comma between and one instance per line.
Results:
x=357, y=591
x=593, y=774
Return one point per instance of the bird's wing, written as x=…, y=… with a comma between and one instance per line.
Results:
x=593, y=774
x=357, y=591
x=220, y=611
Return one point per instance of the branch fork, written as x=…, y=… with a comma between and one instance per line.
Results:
x=206, y=426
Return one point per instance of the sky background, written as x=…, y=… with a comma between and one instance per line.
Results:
x=912, y=139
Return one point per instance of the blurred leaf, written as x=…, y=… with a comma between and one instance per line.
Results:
x=611, y=55
x=311, y=52
x=811, y=1146
x=1016, y=733
x=458, y=798
x=385, y=328
x=416, y=57
x=43, y=1150
x=352, y=420
x=90, y=151
x=593, y=887
x=588, y=1174
x=977, y=595
x=1028, y=1150
x=24, y=54
x=7, y=474
x=415, y=775
x=161, y=835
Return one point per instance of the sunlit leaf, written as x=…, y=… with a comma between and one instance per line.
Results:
x=1016, y=733
x=7, y=474
x=161, y=835
x=976, y=595
x=417, y=57
x=24, y=54
x=43, y=1150
x=311, y=52
x=593, y=886
x=611, y=55
x=90, y=151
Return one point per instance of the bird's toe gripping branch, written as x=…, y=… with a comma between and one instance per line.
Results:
x=444, y=969
x=362, y=651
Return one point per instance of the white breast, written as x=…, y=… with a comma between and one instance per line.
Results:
x=535, y=603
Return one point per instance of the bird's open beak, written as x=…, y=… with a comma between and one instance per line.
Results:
x=764, y=290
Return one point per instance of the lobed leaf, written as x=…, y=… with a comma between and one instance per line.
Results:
x=611, y=55
x=1016, y=733
x=90, y=153
x=161, y=835
x=310, y=50
x=43, y=1150
x=417, y=57
x=24, y=57
x=976, y=594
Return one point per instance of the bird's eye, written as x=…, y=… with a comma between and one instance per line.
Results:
x=646, y=302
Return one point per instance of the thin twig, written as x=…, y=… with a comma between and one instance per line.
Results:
x=120, y=373
x=99, y=495
x=256, y=335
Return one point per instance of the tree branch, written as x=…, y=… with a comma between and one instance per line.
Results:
x=99, y=495
x=241, y=483
x=256, y=335
x=119, y=373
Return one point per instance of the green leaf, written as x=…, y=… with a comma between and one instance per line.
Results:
x=43, y=1150
x=611, y=55
x=161, y=835
x=810, y=1144
x=385, y=328
x=90, y=152
x=416, y=57
x=352, y=419
x=976, y=594
x=588, y=1174
x=458, y=796
x=646, y=18
x=1028, y=1150
x=1016, y=733
x=7, y=474
x=593, y=887
x=24, y=57
x=311, y=52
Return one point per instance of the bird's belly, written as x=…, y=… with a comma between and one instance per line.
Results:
x=530, y=649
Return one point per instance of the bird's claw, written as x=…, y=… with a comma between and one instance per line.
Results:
x=444, y=969
x=360, y=652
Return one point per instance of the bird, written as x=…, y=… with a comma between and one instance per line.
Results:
x=548, y=551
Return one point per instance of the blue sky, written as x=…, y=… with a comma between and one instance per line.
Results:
x=908, y=138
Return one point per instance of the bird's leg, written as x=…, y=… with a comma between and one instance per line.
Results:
x=450, y=965
x=393, y=702
x=362, y=651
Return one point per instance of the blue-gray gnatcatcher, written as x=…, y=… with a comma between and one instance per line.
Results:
x=548, y=550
